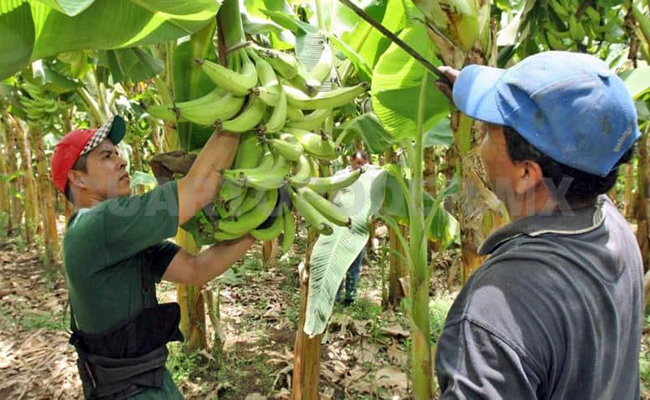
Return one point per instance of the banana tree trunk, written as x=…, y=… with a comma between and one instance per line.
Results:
x=306, y=351
x=398, y=270
x=419, y=271
x=31, y=199
x=136, y=160
x=643, y=199
x=45, y=194
x=191, y=302
x=18, y=181
x=430, y=171
x=628, y=199
x=456, y=49
x=397, y=265
x=5, y=204
x=270, y=251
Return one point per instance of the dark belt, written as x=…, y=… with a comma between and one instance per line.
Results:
x=130, y=358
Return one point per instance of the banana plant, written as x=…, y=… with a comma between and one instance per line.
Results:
x=34, y=29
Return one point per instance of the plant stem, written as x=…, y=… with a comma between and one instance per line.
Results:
x=230, y=21
x=91, y=106
x=419, y=274
x=319, y=15
x=349, y=67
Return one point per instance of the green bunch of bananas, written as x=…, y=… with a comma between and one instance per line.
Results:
x=250, y=190
x=566, y=27
x=262, y=89
x=274, y=102
x=39, y=107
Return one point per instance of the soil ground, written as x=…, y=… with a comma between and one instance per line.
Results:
x=365, y=350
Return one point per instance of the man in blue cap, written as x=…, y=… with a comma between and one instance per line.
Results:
x=556, y=311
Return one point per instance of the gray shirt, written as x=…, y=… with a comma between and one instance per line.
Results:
x=556, y=312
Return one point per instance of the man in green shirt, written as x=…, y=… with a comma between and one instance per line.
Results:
x=115, y=248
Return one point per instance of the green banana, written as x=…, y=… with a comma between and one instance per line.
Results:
x=265, y=73
x=222, y=236
x=272, y=231
x=318, y=145
x=302, y=173
x=311, y=214
x=325, y=207
x=577, y=32
x=252, y=199
x=294, y=114
x=594, y=16
x=331, y=99
x=206, y=110
x=559, y=9
x=229, y=191
x=279, y=115
x=232, y=175
x=555, y=43
x=289, y=228
x=252, y=219
x=313, y=120
x=292, y=151
x=335, y=182
x=286, y=64
x=268, y=96
x=248, y=119
x=237, y=83
x=268, y=179
x=249, y=151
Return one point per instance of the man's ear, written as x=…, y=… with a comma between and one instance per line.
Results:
x=528, y=175
x=76, y=178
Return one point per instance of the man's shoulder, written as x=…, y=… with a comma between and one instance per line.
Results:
x=510, y=282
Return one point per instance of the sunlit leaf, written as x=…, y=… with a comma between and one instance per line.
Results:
x=637, y=81
x=440, y=134
x=30, y=29
x=396, y=82
x=368, y=127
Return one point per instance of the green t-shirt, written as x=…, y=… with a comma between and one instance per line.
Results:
x=104, y=250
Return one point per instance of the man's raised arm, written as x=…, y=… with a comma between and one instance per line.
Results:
x=202, y=182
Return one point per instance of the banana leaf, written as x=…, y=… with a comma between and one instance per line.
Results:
x=444, y=228
x=133, y=64
x=370, y=42
x=31, y=30
x=396, y=81
x=440, y=134
x=52, y=80
x=637, y=81
x=368, y=127
x=333, y=254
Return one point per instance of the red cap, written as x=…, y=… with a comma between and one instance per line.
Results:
x=79, y=142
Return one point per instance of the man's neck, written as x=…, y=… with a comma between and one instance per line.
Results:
x=536, y=203
x=88, y=200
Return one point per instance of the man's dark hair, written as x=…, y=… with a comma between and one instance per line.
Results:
x=361, y=154
x=584, y=187
x=80, y=165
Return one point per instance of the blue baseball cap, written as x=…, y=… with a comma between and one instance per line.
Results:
x=570, y=106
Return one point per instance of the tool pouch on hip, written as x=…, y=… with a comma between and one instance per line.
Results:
x=127, y=359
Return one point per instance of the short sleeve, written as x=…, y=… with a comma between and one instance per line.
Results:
x=162, y=255
x=473, y=363
x=132, y=224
